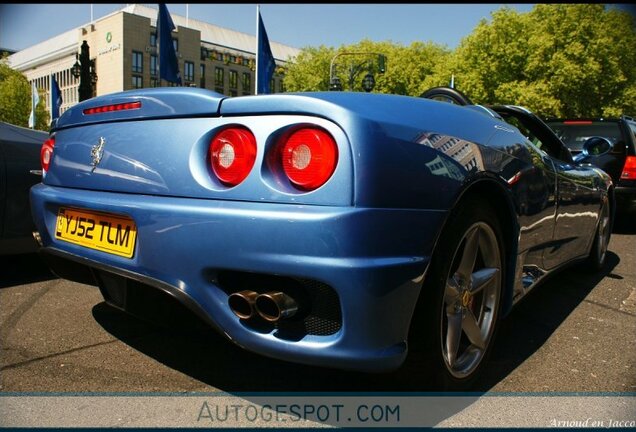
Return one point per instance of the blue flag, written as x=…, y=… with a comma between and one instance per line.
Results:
x=168, y=63
x=265, y=63
x=56, y=98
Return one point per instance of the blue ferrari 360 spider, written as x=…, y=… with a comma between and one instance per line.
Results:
x=333, y=229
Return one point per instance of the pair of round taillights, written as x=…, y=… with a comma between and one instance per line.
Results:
x=308, y=156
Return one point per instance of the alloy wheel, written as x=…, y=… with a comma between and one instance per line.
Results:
x=471, y=300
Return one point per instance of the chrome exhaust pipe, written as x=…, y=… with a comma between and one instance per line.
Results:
x=274, y=306
x=242, y=303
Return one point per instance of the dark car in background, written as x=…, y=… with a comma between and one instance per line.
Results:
x=619, y=163
x=19, y=170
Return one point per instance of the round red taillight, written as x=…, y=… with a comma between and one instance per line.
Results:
x=309, y=157
x=232, y=153
x=46, y=153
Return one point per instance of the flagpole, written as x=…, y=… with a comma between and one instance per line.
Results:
x=258, y=13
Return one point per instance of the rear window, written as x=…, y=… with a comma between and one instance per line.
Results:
x=575, y=134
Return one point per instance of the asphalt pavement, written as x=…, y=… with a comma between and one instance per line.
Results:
x=575, y=333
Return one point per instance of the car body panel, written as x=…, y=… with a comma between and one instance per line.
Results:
x=178, y=164
x=368, y=233
x=19, y=155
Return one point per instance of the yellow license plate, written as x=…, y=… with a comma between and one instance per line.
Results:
x=113, y=234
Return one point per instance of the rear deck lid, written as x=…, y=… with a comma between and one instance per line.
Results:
x=146, y=104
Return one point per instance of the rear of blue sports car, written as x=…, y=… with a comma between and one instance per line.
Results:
x=299, y=226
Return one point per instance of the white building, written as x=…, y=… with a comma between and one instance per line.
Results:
x=124, y=49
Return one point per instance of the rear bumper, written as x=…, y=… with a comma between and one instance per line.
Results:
x=374, y=259
x=626, y=199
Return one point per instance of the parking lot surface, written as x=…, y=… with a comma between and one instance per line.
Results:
x=575, y=333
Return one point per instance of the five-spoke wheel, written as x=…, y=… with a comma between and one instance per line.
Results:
x=471, y=299
x=456, y=319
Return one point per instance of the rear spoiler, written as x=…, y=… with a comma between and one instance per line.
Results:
x=142, y=104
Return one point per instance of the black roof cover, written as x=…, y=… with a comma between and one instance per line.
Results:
x=17, y=134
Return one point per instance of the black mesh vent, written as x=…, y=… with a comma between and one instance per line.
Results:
x=324, y=317
x=319, y=313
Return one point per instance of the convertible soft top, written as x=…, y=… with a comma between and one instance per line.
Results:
x=15, y=134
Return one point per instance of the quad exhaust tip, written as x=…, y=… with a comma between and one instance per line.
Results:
x=242, y=303
x=272, y=306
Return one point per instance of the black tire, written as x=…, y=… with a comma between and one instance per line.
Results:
x=447, y=94
x=438, y=306
x=598, y=254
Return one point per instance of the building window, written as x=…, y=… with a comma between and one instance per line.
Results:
x=137, y=82
x=281, y=86
x=204, y=53
x=154, y=82
x=232, y=59
x=271, y=86
x=153, y=39
x=188, y=71
x=233, y=79
x=137, y=62
x=153, y=64
x=175, y=44
x=218, y=77
x=246, y=61
x=219, y=56
x=246, y=82
x=202, y=75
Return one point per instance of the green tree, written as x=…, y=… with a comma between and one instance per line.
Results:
x=586, y=55
x=407, y=67
x=562, y=60
x=310, y=70
x=15, y=99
